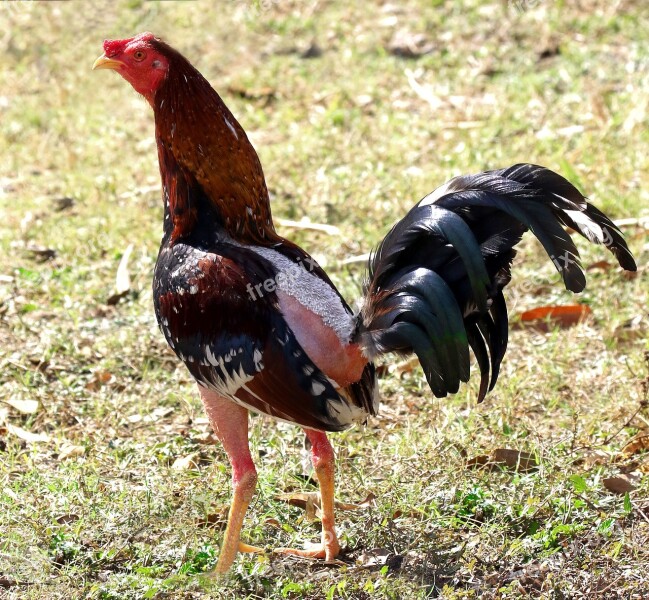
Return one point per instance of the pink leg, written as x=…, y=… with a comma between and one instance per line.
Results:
x=230, y=424
x=322, y=455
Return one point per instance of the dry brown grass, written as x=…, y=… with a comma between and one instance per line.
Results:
x=351, y=137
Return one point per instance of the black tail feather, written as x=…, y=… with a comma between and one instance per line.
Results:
x=435, y=281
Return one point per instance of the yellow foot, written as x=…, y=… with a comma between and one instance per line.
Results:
x=222, y=567
x=252, y=549
x=328, y=551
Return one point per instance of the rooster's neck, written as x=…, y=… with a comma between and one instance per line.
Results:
x=205, y=153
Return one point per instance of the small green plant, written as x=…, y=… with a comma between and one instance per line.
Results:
x=199, y=561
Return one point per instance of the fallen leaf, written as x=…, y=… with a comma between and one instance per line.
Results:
x=103, y=376
x=113, y=299
x=549, y=51
x=374, y=557
x=594, y=457
x=264, y=93
x=516, y=460
x=99, y=378
x=27, y=436
x=145, y=189
x=122, y=278
x=67, y=518
x=206, y=437
x=399, y=369
x=218, y=518
x=70, y=451
x=41, y=253
x=406, y=366
x=6, y=582
x=620, y=484
x=312, y=51
x=186, y=463
x=363, y=100
x=632, y=329
x=636, y=446
x=152, y=417
x=307, y=501
x=379, y=557
x=369, y=501
x=63, y=203
x=407, y=44
x=545, y=318
x=27, y=407
x=159, y=413
x=603, y=265
x=478, y=461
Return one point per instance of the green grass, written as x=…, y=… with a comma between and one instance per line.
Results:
x=98, y=509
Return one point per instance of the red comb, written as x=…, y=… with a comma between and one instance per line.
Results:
x=113, y=47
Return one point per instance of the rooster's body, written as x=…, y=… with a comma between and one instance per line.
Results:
x=259, y=324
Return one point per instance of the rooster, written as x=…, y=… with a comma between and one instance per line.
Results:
x=260, y=325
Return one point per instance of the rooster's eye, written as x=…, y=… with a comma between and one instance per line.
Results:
x=139, y=55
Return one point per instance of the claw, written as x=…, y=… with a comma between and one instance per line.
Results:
x=318, y=551
x=250, y=549
x=328, y=550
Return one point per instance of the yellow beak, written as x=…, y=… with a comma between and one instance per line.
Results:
x=103, y=62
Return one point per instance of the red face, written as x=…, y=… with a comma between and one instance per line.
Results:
x=137, y=61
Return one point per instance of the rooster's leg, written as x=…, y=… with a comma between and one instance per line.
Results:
x=230, y=424
x=322, y=455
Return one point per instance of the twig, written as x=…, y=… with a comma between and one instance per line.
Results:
x=609, y=586
x=611, y=437
x=304, y=224
x=361, y=258
x=587, y=501
x=641, y=513
x=633, y=221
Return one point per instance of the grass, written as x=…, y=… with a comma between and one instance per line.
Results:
x=123, y=495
